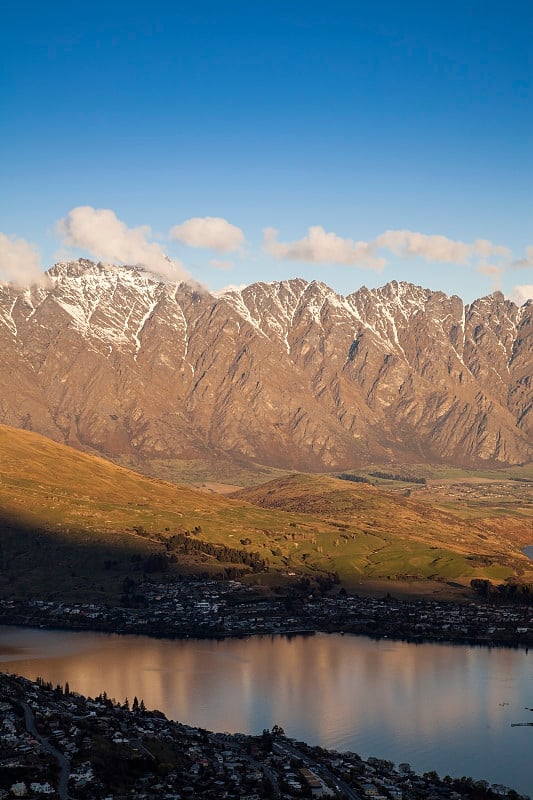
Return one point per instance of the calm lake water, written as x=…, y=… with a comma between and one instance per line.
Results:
x=440, y=707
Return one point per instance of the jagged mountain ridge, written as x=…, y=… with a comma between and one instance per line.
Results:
x=290, y=373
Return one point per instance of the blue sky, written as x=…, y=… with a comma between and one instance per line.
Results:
x=381, y=140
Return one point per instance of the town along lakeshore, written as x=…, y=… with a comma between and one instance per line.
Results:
x=217, y=609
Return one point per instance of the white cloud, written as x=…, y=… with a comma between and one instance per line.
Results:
x=214, y=233
x=431, y=247
x=483, y=247
x=231, y=287
x=521, y=294
x=19, y=262
x=321, y=247
x=107, y=238
x=523, y=263
x=434, y=247
x=491, y=270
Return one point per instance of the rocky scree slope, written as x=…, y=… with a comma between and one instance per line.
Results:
x=291, y=374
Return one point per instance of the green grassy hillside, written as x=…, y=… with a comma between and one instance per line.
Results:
x=75, y=524
x=426, y=535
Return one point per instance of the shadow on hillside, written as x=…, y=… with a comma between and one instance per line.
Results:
x=79, y=564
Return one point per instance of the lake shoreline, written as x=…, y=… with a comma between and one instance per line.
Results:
x=374, y=695
x=273, y=753
x=489, y=644
x=206, y=609
x=524, y=642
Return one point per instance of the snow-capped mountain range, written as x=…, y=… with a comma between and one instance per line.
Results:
x=289, y=373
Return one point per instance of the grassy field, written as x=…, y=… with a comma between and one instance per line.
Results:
x=76, y=525
x=203, y=473
x=427, y=535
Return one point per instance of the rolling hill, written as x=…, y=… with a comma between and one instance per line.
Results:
x=75, y=525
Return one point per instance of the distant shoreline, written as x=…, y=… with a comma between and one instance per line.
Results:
x=207, y=609
x=481, y=642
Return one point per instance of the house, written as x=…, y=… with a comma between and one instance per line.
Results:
x=42, y=788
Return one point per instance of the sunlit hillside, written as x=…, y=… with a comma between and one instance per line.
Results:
x=77, y=524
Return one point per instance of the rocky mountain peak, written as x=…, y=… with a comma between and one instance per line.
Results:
x=90, y=271
x=288, y=373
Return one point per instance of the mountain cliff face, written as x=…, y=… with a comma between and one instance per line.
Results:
x=289, y=374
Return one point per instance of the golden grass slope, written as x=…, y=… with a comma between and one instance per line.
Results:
x=429, y=534
x=301, y=524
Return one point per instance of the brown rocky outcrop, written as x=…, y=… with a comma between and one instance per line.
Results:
x=291, y=374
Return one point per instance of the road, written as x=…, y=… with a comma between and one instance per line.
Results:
x=62, y=760
x=267, y=772
x=140, y=746
x=287, y=749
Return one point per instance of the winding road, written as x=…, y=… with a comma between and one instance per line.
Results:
x=62, y=760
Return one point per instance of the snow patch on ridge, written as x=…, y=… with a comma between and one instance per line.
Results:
x=141, y=325
x=6, y=316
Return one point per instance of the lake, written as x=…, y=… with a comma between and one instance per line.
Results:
x=442, y=707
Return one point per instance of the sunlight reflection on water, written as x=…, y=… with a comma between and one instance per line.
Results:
x=440, y=707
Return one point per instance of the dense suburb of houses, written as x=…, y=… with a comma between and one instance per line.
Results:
x=58, y=744
x=205, y=608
